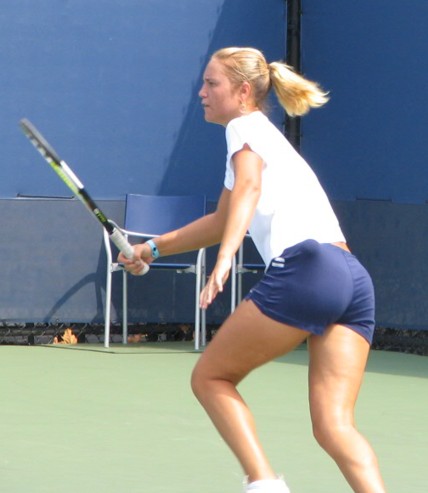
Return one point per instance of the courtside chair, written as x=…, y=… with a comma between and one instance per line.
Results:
x=149, y=216
x=247, y=264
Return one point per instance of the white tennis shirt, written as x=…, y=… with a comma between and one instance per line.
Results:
x=293, y=206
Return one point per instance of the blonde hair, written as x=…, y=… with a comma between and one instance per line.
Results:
x=296, y=94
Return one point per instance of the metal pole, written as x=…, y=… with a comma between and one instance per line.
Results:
x=294, y=12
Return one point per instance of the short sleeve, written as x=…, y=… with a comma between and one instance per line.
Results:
x=235, y=140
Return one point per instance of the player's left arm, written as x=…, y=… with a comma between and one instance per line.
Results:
x=243, y=200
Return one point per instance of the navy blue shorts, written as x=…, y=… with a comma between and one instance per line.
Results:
x=312, y=285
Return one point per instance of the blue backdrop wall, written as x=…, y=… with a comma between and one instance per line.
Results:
x=114, y=87
x=369, y=142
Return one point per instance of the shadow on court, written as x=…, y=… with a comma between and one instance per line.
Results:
x=85, y=418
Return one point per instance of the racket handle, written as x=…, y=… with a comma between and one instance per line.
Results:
x=122, y=243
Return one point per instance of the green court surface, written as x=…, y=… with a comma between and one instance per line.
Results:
x=85, y=419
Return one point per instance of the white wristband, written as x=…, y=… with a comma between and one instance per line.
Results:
x=154, y=249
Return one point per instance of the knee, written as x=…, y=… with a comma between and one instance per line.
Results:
x=199, y=381
x=322, y=435
x=329, y=433
x=207, y=380
x=196, y=381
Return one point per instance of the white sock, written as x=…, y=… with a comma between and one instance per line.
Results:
x=267, y=486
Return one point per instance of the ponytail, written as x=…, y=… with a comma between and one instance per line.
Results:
x=296, y=94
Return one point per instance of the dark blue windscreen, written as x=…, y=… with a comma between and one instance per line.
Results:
x=370, y=140
x=114, y=87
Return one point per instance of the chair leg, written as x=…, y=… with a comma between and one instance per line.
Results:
x=199, y=314
x=197, y=309
x=239, y=272
x=125, y=308
x=203, y=328
x=107, y=316
x=203, y=312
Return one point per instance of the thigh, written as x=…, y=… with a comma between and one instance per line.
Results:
x=246, y=340
x=336, y=367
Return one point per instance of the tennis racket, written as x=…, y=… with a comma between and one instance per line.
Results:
x=66, y=174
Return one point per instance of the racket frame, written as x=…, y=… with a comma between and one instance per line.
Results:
x=67, y=175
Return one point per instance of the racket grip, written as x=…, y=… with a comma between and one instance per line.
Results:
x=122, y=243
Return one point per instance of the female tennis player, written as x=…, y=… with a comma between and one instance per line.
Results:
x=313, y=289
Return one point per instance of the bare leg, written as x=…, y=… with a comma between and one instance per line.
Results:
x=247, y=339
x=337, y=363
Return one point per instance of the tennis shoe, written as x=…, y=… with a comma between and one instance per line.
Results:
x=266, y=486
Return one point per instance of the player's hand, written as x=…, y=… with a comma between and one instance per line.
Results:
x=215, y=282
x=142, y=255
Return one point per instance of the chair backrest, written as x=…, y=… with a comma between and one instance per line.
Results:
x=157, y=214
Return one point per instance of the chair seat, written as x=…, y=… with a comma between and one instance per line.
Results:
x=250, y=268
x=170, y=266
x=178, y=267
x=162, y=266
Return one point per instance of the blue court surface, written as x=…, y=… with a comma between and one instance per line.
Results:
x=85, y=419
